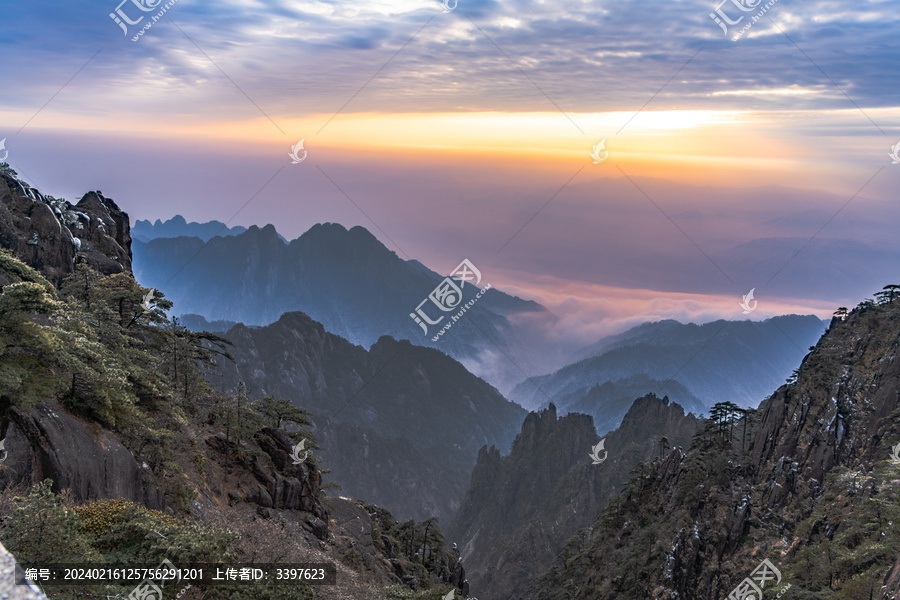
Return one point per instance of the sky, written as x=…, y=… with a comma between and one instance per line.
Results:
x=753, y=159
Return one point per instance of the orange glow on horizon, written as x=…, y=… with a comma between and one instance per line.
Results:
x=705, y=147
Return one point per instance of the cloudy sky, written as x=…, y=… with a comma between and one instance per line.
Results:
x=759, y=162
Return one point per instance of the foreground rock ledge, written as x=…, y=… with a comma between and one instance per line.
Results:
x=8, y=588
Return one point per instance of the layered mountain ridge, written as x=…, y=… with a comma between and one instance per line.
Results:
x=178, y=226
x=696, y=365
x=400, y=425
x=348, y=281
x=810, y=489
x=116, y=451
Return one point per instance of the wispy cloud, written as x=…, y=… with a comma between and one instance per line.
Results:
x=309, y=57
x=470, y=117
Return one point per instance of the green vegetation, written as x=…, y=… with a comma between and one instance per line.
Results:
x=417, y=550
x=280, y=412
x=45, y=528
x=93, y=347
x=852, y=536
x=730, y=424
x=8, y=170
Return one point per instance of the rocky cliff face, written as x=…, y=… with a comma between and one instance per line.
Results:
x=268, y=480
x=812, y=491
x=49, y=443
x=52, y=235
x=521, y=508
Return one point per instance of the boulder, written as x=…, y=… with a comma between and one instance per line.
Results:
x=8, y=588
x=53, y=235
x=49, y=443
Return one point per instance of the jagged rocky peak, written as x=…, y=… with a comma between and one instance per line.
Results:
x=539, y=426
x=652, y=412
x=52, y=235
x=337, y=239
x=178, y=226
x=521, y=508
x=538, y=423
x=266, y=232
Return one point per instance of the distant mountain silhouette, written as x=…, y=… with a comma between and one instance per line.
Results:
x=198, y=323
x=740, y=361
x=177, y=226
x=348, y=281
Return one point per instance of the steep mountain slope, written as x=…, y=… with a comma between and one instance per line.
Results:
x=89, y=404
x=116, y=451
x=521, y=508
x=812, y=491
x=349, y=282
x=413, y=412
x=740, y=361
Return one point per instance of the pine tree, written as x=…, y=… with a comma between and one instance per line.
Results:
x=281, y=411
